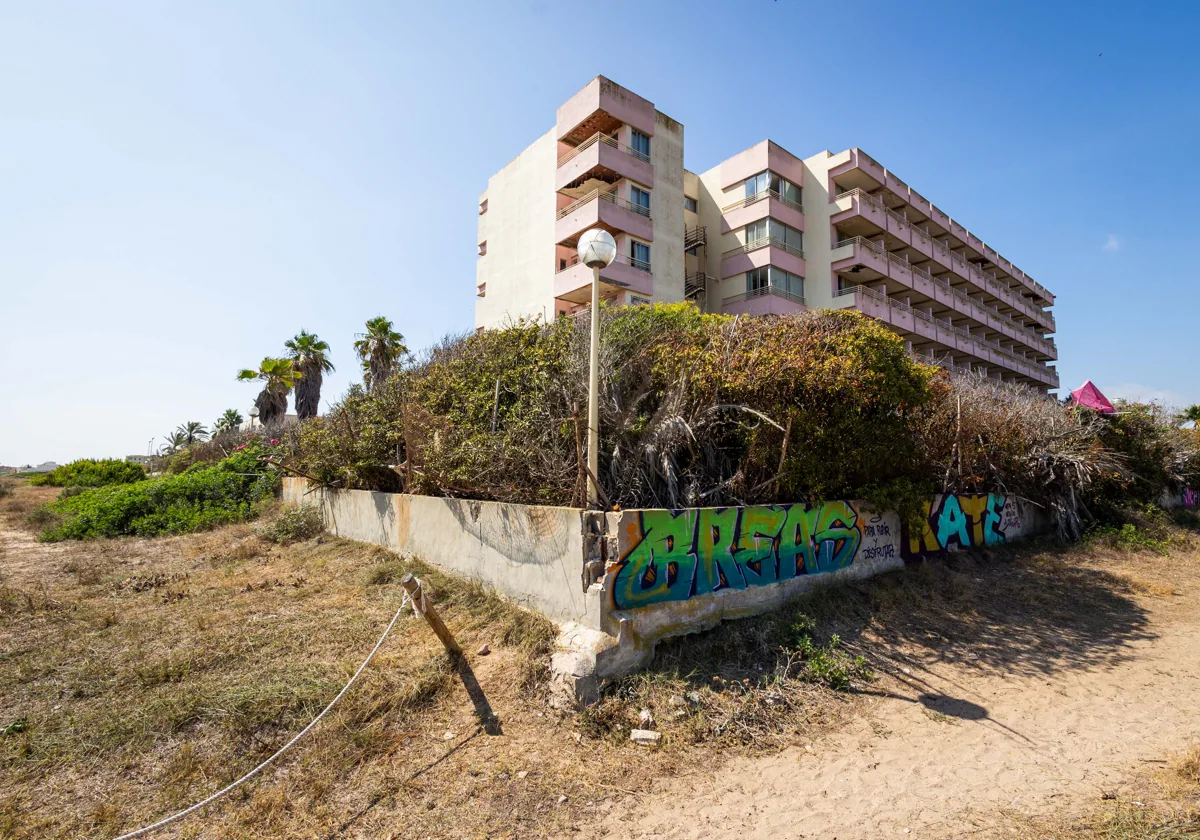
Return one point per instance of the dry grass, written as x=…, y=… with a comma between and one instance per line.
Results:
x=140, y=675
x=1162, y=805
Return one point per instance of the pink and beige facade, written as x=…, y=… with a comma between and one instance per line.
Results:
x=764, y=232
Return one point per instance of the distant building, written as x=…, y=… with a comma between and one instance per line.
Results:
x=143, y=460
x=44, y=467
x=763, y=232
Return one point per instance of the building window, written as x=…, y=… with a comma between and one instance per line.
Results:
x=483, y=207
x=759, y=279
x=640, y=199
x=784, y=281
x=639, y=255
x=481, y=290
x=634, y=300
x=789, y=236
x=757, y=231
x=639, y=143
x=769, y=181
x=690, y=203
x=483, y=247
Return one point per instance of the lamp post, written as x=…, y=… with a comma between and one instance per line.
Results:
x=597, y=250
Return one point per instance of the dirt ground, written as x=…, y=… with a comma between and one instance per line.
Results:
x=1032, y=693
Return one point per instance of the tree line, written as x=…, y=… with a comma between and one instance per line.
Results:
x=301, y=369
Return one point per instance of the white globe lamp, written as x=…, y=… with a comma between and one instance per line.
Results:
x=597, y=248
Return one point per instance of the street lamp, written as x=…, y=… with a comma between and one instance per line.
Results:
x=597, y=250
x=253, y=412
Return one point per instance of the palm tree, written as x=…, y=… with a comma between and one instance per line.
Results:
x=1191, y=414
x=227, y=422
x=192, y=432
x=173, y=442
x=380, y=349
x=278, y=378
x=309, y=357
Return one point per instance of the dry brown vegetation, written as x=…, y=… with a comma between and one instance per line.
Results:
x=140, y=675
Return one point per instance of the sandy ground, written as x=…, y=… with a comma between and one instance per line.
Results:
x=952, y=747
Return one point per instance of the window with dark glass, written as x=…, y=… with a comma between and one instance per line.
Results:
x=639, y=255
x=690, y=203
x=640, y=199
x=764, y=181
x=640, y=143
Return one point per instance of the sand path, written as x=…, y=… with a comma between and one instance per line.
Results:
x=945, y=749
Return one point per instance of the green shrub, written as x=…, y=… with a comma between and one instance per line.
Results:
x=88, y=472
x=293, y=524
x=203, y=497
x=68, y=492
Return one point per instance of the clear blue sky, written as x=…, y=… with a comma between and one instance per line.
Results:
x=183, y=186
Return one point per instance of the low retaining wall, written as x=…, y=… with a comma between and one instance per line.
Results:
x=619, y=582
x=531, y=554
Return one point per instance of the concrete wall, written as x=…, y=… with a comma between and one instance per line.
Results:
x=531, y=554
x=619, y=582
x=666, y=209
x=675, y=572
x=519, y=230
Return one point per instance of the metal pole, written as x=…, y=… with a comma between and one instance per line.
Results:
x=593, y=446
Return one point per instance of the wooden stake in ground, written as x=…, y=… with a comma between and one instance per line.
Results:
x=422, y=602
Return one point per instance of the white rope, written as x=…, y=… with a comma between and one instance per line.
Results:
x=142, y=832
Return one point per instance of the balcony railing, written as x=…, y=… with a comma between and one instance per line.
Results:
x=763, y=291
x=763, y=243
x=604, y=195
x=1034, y=370
x=984, y=248
x=640, y=265
x=1035, y=339
x=759, y=196
x=694, y=237
x=601, y=137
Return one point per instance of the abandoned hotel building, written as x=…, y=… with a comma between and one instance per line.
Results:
x=764, y=232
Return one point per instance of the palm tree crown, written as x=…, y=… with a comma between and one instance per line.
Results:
x=310, y=358
x=192, y=432
x=278, y=378
x=173, y=442
x=1191, y=413
x=380, y=350
x=227, y=422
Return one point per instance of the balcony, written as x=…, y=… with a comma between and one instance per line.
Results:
x=602, y=105
x=767, y=300
x=574, y=283
x=602, y=157
x=862, y=253
x=603, y=208
x=760, y=206
x=858, y=171
x=759, y=253
x=907, y=319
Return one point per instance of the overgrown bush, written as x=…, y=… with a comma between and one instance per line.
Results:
x=88, y=472
x=1153, y=456
x=202, y=497
x=709, y=410
x=294, y=523
x=695, y=410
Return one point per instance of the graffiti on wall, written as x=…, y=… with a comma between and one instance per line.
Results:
x=677, y=555
x=1191, y=498
x=959, y=520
